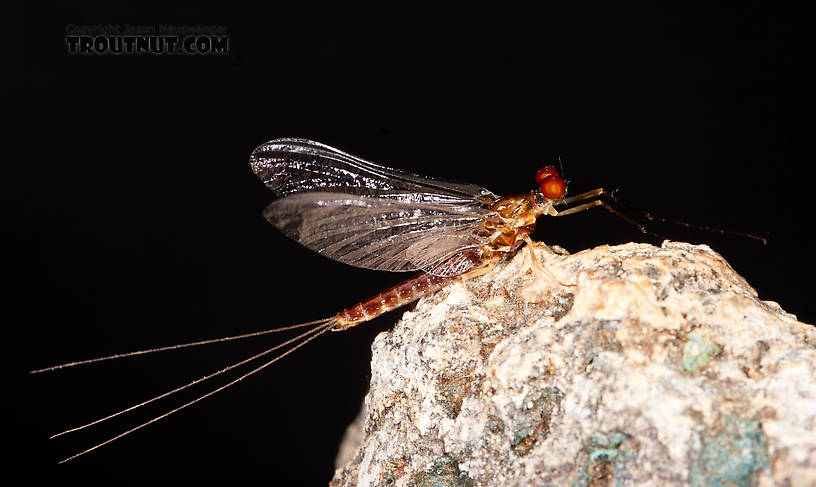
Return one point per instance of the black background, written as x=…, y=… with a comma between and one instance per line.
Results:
x=141, y=221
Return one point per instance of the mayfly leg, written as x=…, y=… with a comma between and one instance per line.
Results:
x=319, y=327
x=598, y=193
x=602, y=193
x=617, y=199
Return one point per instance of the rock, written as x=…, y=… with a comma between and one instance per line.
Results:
x=625, y=365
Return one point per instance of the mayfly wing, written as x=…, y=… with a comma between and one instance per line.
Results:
x=290, y=166
x=368, y=215
x=381, y=233
x=457, y=263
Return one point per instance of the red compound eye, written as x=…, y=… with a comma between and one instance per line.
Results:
x=553, y=187
x=546, y=172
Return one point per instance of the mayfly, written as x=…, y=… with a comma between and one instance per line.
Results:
x=371, y=216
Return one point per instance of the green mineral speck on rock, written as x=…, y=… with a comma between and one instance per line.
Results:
x=730, y=454
x=536, y=414
x=697, y=354
x=443, y=473
x=607, y=463
x=605, y=453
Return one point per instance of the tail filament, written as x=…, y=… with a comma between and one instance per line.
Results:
x=318, y=328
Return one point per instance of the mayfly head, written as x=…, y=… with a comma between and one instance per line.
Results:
x=551, y=184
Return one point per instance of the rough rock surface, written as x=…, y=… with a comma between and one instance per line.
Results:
x=626, y=365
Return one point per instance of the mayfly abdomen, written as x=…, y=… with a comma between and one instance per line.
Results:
x=406, y=292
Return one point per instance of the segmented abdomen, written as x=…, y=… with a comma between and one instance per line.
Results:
x=403, y=293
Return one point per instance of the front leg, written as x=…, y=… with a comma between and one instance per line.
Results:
x=538, y=266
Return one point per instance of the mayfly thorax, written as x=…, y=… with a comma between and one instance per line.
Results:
x=376, y=217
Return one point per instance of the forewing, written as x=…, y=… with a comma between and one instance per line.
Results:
x=291, y=166
x=379, y=233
